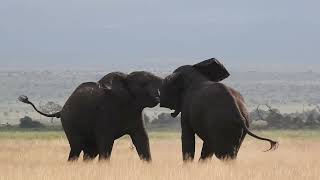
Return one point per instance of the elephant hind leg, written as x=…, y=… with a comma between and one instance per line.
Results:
x=105, y=146
x=89, y=156
x=207, y=152
x=227, y=154
x=74, y=154
x=227, y=144
x=90, y=149
x=90, y=152
x=227, y=150
x=76, y=145
x=230, y=148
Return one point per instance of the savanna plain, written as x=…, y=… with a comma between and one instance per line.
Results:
x=42, y=155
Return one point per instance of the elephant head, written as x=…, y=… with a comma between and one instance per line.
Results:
x=174, y=85
x=139, y=88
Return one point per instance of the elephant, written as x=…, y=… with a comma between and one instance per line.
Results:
x=216, y=113
x=98, y=113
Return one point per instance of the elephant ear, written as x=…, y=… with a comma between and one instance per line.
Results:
x=212, y=69
x=115, y=83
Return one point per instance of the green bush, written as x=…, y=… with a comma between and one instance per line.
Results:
x=27, y=122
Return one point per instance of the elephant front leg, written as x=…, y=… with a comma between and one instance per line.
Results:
x=140, y=140
x=188, y=144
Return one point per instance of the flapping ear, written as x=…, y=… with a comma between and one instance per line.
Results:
x=212, y=69
x=115, y=83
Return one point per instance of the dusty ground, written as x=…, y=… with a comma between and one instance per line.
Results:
x=36, y=158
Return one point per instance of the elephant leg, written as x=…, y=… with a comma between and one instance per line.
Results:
x=227, y=155
x=243, y=135
x=140, y=140
x=105, y=146
x=237, y=141
x=76, y=145
x=188, y=143
x=228, y=144
x=238, y=145
x=206, y=152
x=90, y=152
x=89, y=156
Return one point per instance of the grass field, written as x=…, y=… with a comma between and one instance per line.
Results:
x=42, y=155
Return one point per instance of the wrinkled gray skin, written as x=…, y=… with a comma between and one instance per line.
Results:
x=98, y=113
x=213, y=111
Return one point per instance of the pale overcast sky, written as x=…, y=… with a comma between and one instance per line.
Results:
x=262, y=35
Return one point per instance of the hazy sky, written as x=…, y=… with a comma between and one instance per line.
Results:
x=263, y=35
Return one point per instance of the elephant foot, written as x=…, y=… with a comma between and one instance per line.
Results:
x=72, y=159
x=204, y=160
x=226, y=157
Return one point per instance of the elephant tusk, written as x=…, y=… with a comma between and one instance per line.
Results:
x=175, y=113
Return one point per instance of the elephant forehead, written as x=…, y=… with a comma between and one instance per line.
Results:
x=114, y=76
x=143, y=76
x=170, y=77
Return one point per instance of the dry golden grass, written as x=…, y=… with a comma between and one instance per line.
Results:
x=46, y=159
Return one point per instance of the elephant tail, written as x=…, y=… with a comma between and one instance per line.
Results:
x=25, y=99
x=273, y=144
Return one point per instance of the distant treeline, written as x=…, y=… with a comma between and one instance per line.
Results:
x=271, y=118
x=274, y=119
x=259, y=119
